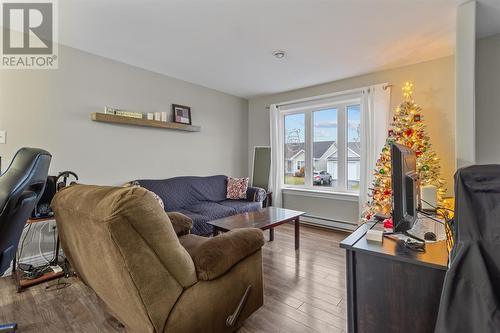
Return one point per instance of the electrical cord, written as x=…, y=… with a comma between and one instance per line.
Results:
x=22, y=243
x=54, y=256
x=36, y=272
x=448, y=224
x=444, y=208
x=444, y=214
x=444, y=211
x=31, y=238
x=40, y=244
x=57, y=286
x=431, y=217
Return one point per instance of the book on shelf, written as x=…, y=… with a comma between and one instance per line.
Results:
x=123, y=113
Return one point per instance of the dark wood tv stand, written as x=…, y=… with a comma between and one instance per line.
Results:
x=391, y=288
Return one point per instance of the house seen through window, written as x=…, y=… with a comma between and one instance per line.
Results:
x=321, y=147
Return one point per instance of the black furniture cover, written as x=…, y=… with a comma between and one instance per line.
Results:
x=470, y=301
x=21, y=186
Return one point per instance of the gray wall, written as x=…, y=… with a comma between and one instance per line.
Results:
x=488, y=99
x=434, y=92
x=51, y=109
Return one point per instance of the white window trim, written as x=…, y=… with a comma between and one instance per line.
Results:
x=325, y=194
x=340, y=101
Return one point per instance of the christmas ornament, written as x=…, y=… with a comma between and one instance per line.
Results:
x=388, y=224
x=409, y=132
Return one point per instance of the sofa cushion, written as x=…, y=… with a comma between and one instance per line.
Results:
x=200, y=225
x=182, y=192
x=242, y=206
x=212, y=210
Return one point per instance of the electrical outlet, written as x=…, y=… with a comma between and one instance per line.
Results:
x=3, y=137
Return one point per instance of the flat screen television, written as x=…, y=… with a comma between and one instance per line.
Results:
x=404, y=187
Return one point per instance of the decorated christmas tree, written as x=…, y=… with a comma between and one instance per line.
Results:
x=408, y=129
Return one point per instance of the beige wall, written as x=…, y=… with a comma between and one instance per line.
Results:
x=434, y=92
x=51, y=109
x=465, y=74
x=488, y=100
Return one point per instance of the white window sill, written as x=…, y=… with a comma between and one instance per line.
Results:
x=308, y=192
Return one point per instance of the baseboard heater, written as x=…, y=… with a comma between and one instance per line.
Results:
x=328, y=223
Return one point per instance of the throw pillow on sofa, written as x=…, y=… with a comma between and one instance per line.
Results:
x=237, y=188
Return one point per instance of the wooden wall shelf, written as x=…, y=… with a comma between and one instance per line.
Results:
x=110, y=118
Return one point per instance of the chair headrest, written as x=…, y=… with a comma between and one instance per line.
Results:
x=28, y=170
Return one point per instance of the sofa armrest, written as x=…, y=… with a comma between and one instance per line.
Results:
x=217, y=255
x=181, y=223
x=256, y=194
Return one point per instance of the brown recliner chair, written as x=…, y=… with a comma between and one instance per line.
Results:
x=127, y=249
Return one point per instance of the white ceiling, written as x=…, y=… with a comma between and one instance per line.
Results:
x=227, y=44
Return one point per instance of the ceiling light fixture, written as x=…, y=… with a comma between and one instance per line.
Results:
x=279, y=54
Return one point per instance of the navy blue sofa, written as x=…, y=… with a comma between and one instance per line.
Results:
x=202, y=199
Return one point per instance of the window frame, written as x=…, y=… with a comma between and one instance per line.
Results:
x=347, y=148
x=340, y=104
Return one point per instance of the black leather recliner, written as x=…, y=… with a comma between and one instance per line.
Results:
x=470, y=300
x=21, y=186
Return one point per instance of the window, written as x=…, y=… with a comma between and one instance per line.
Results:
x=321, y=144
x=353, y=147
x=325, y=163
x=294, y=149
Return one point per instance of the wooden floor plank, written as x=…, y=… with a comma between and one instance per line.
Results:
x=304, y=291
x=308, y=272
x=313, y=323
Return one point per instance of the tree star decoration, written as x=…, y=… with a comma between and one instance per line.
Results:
x=407, y=90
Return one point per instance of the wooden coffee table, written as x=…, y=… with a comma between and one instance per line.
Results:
x=264, y=219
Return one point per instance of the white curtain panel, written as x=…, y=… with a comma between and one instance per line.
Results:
x=275, y=176
x=375, y=119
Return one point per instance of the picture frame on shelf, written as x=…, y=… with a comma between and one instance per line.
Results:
x=182, y=114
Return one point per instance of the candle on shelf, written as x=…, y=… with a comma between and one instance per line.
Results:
x=428, y=194
x=164, y=116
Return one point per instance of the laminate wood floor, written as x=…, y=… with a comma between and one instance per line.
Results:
x=303, y=292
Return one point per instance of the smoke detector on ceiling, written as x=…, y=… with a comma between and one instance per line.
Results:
x=279, y=54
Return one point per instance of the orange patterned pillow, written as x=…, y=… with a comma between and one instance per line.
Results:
x=237, y=188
